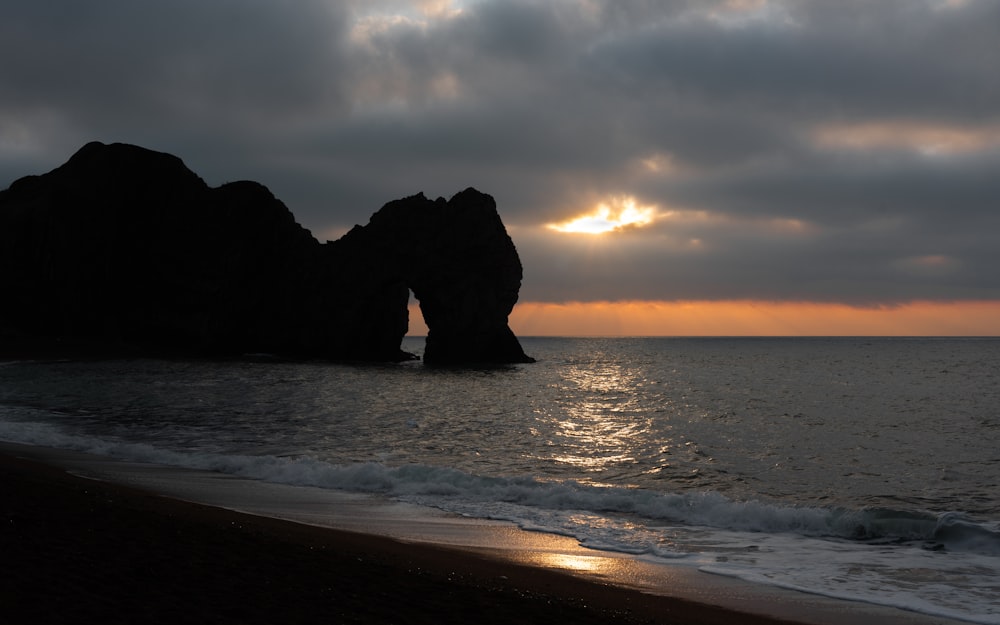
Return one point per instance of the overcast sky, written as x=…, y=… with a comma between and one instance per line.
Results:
x=835, y=151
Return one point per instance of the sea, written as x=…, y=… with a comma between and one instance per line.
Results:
x=865, y=469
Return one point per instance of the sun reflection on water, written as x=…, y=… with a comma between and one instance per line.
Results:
x=599, y=423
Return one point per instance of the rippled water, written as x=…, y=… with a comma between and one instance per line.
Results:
x=850, y=467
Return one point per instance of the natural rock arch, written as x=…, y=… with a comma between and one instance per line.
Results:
x=125, y=248
x=459, y=262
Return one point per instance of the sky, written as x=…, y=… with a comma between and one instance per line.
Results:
x=664, y=167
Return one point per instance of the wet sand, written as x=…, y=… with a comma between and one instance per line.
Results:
x=131, y=547
x=78, y=550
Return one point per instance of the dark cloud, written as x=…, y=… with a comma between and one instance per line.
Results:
x=196, y=78
x=840, y=151
x=820, y=58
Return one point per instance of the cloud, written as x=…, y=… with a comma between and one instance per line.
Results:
x=797, y=150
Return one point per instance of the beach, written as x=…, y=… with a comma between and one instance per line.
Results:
x=583, y=488
x=79, y=550
x=76, y=549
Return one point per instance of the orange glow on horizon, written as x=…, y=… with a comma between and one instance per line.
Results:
x=747, y=318
x=755, y=318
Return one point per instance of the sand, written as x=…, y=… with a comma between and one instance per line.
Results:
x=77, y=550
x=131, y=547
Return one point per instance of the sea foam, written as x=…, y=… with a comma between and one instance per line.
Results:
x=514, y=498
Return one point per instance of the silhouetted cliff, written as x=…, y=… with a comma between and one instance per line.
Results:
x=123, y=247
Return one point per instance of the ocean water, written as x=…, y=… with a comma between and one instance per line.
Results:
x=859, y=468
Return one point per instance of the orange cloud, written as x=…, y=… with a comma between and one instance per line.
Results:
x=751, y=318
x=746, y=318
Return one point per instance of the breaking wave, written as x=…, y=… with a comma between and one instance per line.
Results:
x=509, y=497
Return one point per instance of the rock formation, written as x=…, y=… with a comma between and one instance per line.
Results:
x=126, y=247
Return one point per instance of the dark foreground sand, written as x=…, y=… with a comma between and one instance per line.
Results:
x=74, y=550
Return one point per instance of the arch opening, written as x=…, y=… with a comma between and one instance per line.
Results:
x=416, y=326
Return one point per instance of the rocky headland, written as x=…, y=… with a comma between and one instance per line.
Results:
x=126, y=249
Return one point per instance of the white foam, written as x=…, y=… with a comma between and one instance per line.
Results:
x=789, y=547
x=436, y=485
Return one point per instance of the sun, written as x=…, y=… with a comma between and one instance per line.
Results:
x=615, y=214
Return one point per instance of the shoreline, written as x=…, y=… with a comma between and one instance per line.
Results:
x=77, y=549
x=142, y=549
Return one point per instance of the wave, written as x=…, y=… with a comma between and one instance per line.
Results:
x=508, y=497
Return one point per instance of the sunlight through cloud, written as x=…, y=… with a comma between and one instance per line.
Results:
x=616, y=214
